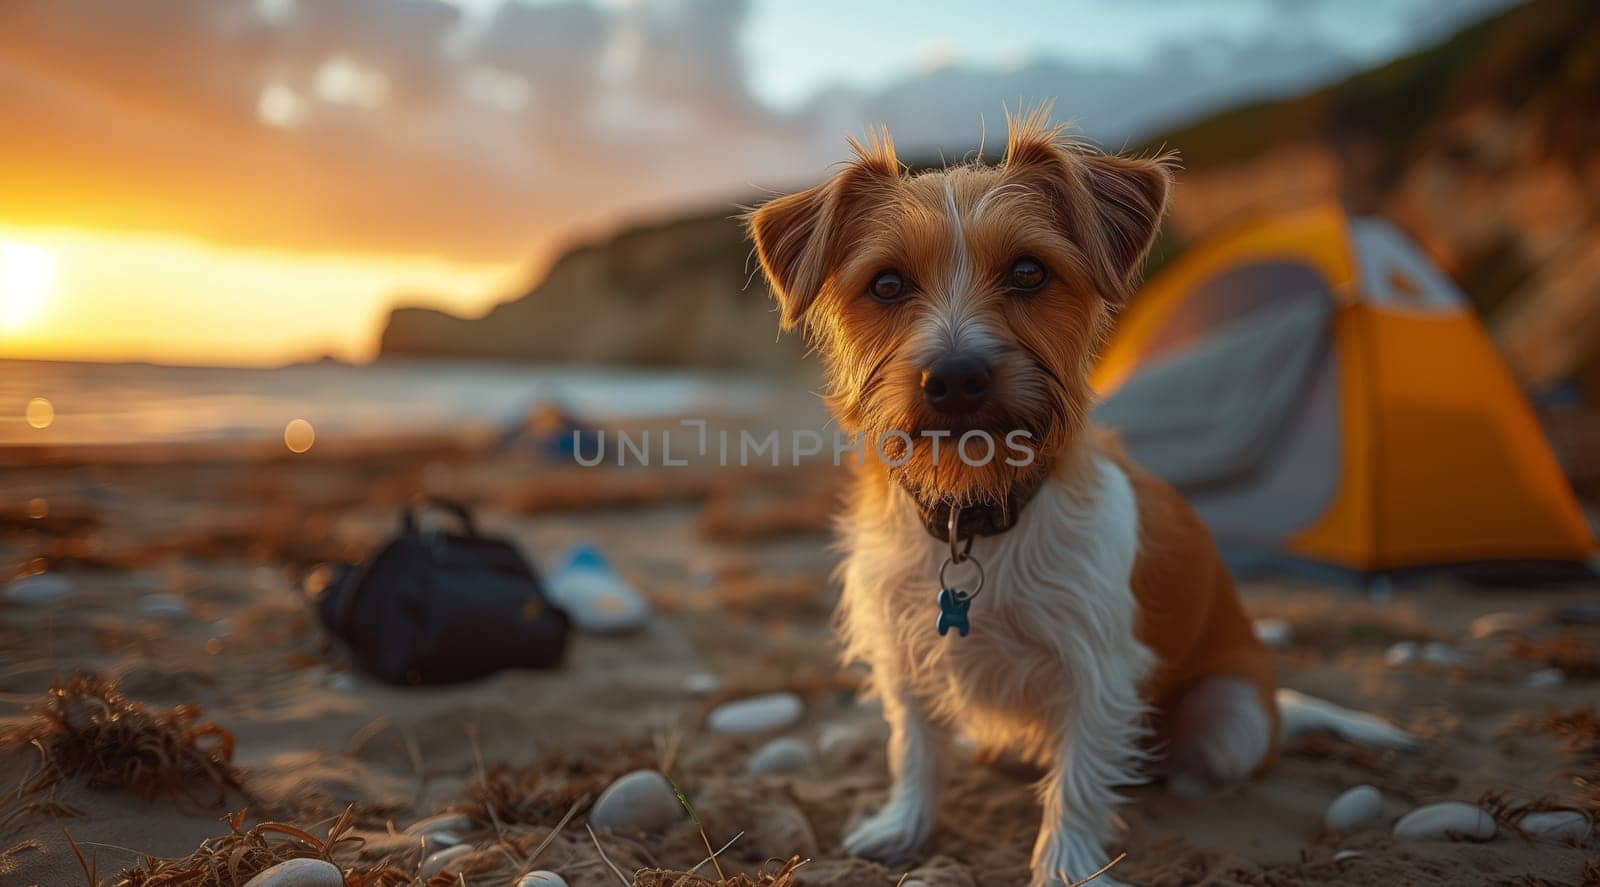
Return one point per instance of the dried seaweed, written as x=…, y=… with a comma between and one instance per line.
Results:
x=231, y=860
x=781, y=876
x=1576, y=656
x=542, y=792
x=1579, y=731
x=88, y=731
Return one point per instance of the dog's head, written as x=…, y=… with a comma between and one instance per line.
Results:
x=967, y=300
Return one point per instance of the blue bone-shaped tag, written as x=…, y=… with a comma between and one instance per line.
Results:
x=953, y=607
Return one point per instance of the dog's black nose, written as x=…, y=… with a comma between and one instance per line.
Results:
x=956, y=385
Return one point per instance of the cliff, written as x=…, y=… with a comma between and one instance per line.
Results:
x=678, y=293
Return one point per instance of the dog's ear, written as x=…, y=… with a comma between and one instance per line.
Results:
x=1130, y=198
x=798, y=236
x=1112, y=206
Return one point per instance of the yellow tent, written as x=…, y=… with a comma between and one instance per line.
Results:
x=1321, y=392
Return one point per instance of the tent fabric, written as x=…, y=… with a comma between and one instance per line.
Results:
x=1211, y=430
x=1321, y=392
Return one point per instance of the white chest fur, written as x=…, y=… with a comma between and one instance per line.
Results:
x=1056, y=613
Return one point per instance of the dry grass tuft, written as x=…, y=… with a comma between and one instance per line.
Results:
x=231, y=860
x=781, y=876
x=1576, y=656
x=1508, y=812
x=545, y=790
x=88, y=731
x=1579, y=731
x=1577, y=728
x=9, y=865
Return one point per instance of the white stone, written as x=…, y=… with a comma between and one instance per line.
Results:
x=756, y=714
x=40, y=588
x=785, y=754
x=451, y=822
x=541, y=879
x=1353, y=807
x=1402, y=653
x=299, y=873
x=439, y=840
x=701, y=683
x=838, y=739
x=163, y=604
x=1555, y=826
x=1274, y=633
x=1450, y=819
x=442, y=860
x=1444, y=655
x=641, y=801
x=1343, y=855
x=1546, y=678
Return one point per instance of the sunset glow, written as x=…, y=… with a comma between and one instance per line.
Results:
x=27, y=275
x=84, y=294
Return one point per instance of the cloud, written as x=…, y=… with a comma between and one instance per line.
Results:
x=404, y=126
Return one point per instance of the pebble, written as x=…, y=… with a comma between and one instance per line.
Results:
x=1343, y=855
x=1546, y=678
x=444, y=822
x=702, y=683
x=1555, y=826
x=1353, y=807
x=1402, y=653
x=541, y=879
x=757, y=714
x=40, y=588
x=299, y=873
x=1444, y=655
x=163, y=604
x=641, y=801
x=1450, y=819
x=785, y=754
x=1275, y=633
x=440, y=840
x=836, y=740
x=438, y=862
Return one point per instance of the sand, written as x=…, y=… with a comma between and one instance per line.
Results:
x=742, y=592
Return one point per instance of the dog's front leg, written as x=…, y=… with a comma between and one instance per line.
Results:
x=895, y=832
x=1098, y=751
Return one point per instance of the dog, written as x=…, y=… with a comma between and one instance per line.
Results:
x=1105, y=640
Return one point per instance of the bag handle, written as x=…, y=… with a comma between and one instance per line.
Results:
x=422, y=502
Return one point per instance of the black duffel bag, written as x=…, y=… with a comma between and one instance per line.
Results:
x=435, y=607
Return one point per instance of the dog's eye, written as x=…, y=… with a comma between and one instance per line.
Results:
x=887, y=287
x=1027, y=274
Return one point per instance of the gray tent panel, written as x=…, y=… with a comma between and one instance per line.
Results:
x=1294, y=485
x=1211, y=415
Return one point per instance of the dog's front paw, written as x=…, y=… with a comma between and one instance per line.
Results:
x=1068, y=857
x=893, y=834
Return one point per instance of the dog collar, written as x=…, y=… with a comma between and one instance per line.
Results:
x=982, y=518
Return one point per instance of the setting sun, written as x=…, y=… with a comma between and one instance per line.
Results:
x=27, y=274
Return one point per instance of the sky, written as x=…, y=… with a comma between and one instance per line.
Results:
x=259, y=181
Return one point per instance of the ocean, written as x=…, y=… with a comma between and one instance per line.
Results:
x=106, y=403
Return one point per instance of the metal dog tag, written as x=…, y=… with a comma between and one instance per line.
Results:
x=954, y=602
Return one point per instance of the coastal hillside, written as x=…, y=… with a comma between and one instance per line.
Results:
x=678, y=293
x=1485, y=148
